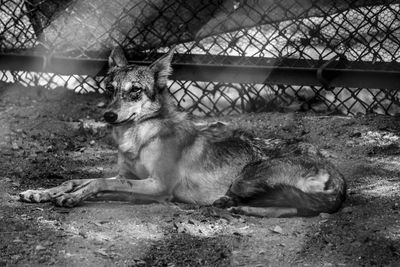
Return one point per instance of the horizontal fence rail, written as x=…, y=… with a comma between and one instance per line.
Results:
x=266, y=72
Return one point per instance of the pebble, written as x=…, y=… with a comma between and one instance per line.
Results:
x=355, y=134
x=40, y=247
x=83, y=234
x=277, y=229
x=347, y=210
x=102, y=252
x=14, y=146
x=101, y=105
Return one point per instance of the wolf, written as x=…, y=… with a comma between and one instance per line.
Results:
x=163, y=155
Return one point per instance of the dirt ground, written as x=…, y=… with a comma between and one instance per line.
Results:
x=44, y=142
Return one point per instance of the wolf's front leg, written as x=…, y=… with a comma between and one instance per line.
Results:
x=149, y=188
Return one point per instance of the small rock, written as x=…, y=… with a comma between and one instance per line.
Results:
x=356, y=244
x=14, y=146
x=92, y=142
x=102, y=252
x=68, y=255
x=277, y=229
x=355, y=134
x=180, y=228
x=16, y=184
x=194, y=222
x=40, y=247
x=347, y=210
x=83, y=234
x=97, y=224
x=48, y=243
x=101, y=104
x=139, y=262
x=396, y=206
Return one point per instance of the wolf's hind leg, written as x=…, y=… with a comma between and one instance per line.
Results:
x=45, y=195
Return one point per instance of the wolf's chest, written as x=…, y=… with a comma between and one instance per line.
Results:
x=143, y=158
x=130, y=143
x=134, y=165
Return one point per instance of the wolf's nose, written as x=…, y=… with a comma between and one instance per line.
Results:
x=110, y=116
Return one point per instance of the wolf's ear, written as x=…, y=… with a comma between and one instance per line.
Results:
x=117, y=58
x=162, y=68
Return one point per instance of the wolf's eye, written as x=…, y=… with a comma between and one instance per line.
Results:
x=135, y=89
x=110, y=90
x=134, y=94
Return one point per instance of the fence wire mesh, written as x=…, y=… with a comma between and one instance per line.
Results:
x=305, y=30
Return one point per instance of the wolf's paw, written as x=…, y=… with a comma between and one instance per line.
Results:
x=224, y=202
x=34, y=196
x=45, y=195
x=236, y=210
x=67, y=200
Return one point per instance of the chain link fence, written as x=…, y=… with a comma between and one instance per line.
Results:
x=239, y=33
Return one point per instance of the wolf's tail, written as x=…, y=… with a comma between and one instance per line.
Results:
x=307, y=204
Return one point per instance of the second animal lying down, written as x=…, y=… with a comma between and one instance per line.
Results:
x=164, y=156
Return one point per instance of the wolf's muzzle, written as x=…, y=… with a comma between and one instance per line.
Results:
x=110, y=116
